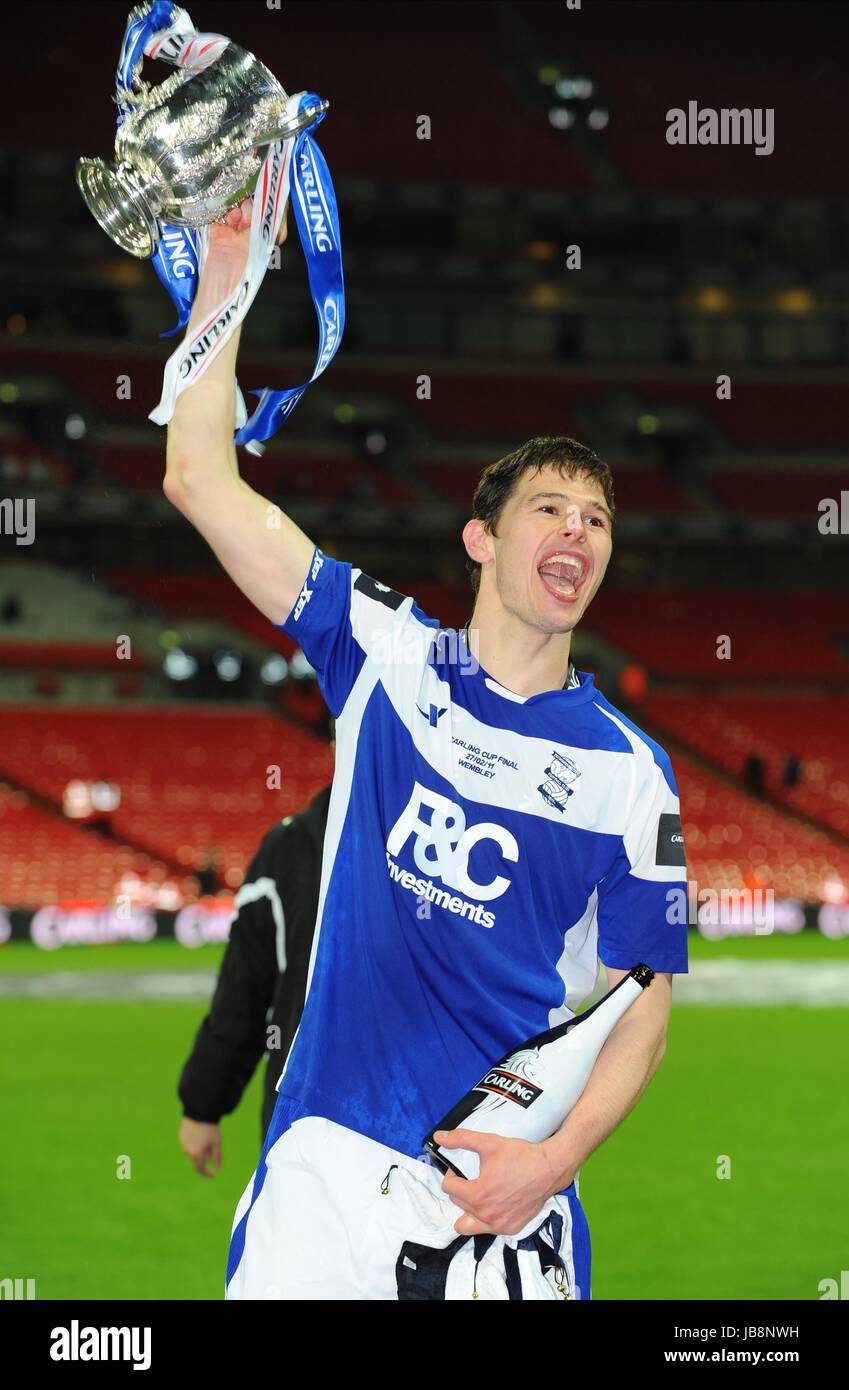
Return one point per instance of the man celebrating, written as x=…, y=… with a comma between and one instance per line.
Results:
x=495, y=827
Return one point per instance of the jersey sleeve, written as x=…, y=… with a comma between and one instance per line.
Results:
x=642, y=900
x=343, y=618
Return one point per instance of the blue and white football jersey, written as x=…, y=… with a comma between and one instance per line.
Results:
x=483, y=850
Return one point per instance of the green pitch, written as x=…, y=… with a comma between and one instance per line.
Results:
x=89, y=1092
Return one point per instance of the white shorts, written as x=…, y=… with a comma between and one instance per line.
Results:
x=331, y=1214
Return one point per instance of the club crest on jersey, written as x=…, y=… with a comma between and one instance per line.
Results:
x=504, y=1083
x=560, y=774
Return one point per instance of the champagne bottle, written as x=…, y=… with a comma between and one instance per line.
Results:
x=529, y=1093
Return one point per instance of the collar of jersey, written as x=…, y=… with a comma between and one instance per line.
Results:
x=576, y=696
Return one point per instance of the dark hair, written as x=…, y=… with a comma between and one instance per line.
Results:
x=497, y=481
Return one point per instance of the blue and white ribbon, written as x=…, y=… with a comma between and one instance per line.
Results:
x=293, y=166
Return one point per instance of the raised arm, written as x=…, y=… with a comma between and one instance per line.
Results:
x=260, y=547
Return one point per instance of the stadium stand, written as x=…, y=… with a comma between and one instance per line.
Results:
x=728, y=729
x=188, y=778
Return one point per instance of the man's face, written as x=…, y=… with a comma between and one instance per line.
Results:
x=552, y=549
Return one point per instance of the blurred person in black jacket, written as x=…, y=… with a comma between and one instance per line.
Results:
x=261, y=985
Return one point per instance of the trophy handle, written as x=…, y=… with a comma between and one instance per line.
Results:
x=291, y=127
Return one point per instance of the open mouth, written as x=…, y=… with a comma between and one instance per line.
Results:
x=563, y=576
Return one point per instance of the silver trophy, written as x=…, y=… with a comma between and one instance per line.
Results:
x=190, y=150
